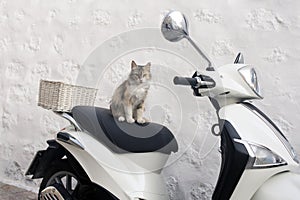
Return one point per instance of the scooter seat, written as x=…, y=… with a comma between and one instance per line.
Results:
x=122, y=137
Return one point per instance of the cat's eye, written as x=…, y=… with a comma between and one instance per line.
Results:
x=144, y=75
x=135, y=76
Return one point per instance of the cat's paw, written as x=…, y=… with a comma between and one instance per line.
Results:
x=141, y=120
x=130, y=120
x=121, y=119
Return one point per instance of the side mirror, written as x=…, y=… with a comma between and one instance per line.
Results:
x=174, y=26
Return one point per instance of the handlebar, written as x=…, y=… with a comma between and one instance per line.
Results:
x=198, y=81
x=185, y=81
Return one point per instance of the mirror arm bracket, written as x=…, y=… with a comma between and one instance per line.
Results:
x=210, y=67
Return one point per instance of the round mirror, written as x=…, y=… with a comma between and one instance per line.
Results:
x=174, y=26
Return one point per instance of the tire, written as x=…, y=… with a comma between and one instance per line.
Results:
x=63, y=177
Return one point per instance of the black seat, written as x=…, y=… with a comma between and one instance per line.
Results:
x=122, y=137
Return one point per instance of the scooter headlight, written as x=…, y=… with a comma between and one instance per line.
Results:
x=264, y=157
x=250, y=76
x=260, y=156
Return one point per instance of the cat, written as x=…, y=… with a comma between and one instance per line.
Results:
x=128, y=100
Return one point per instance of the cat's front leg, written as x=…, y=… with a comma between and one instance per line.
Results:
x=139, y=114
x=128, y=113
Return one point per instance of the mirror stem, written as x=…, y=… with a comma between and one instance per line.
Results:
x=209, y=68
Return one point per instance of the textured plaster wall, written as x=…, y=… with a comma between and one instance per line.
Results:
x=52, y=39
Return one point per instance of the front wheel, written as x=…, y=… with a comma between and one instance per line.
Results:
x=61, y=182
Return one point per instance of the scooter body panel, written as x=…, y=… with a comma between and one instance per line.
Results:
x=124, y=175
x=251, y=181
x=281, y=186
x=252, y=128
x=230, y=87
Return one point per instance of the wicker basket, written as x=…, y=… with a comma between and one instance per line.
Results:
x=61, y=97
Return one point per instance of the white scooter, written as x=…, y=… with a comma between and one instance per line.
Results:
x=97, y=157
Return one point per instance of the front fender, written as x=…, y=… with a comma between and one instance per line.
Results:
x=281, y=186
x=44, y=158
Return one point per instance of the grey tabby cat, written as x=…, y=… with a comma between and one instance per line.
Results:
x=128, y=100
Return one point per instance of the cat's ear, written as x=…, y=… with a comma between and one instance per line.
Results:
x=133, y=65
x=148, y=65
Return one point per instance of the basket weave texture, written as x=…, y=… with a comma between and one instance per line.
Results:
x=62, y=97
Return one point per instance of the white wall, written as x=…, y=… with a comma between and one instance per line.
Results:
x=53, y=39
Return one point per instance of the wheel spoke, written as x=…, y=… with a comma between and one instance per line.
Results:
x=76, y=190
x=67, y=180
x=69, y=183
x=58, y=180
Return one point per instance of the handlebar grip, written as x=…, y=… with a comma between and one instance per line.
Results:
x=185, y=81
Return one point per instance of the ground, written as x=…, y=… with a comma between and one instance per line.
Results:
x=9, y=192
